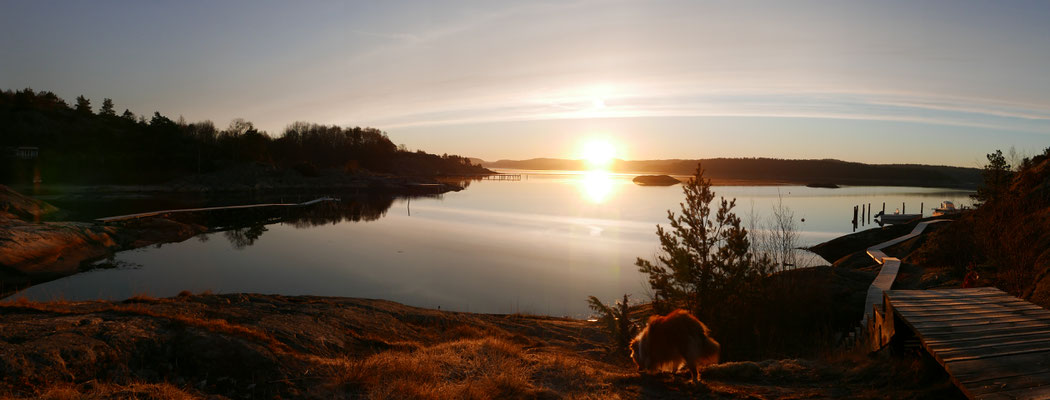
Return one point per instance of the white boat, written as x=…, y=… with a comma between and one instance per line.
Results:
x=895, y=218
x=946, y=208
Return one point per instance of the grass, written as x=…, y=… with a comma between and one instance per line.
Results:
x=354, y=348
x=104, y=391
x=138, y=305
x=483, y=368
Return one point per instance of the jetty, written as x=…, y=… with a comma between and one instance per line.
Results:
x=128, y=217
x=489, y=177
x=890, y=266
x=992, y=345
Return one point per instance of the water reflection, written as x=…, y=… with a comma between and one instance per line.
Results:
x=596, y=186
x=536, y=245
x=244, y=237
x=244, y=229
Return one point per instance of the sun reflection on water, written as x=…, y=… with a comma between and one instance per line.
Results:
x=596, y=186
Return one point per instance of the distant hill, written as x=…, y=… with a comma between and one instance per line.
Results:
x=779, y=170
x=44, y=139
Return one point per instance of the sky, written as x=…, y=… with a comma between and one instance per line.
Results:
x=933, y=82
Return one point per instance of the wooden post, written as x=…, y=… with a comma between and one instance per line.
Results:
x=862, y=211
x=904, y=208
x=869, y=213
x=854, y=218
x=922, y=209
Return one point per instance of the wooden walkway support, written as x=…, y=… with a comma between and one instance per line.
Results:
x=994, y=345
x=888, y=273
x=108, y=220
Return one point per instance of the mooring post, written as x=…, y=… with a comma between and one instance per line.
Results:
x=854, y=218
x=869, y=213
x=862, y=211
x=904, y=208
x=922, y=209
x=884, y=208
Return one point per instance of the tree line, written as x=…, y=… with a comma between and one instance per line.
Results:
x=80, y=145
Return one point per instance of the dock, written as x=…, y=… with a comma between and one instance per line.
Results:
x=992, y=344
x=888, y=274
x=491, y=177
x=121, y=218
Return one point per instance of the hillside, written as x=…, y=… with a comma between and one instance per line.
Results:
x=43, y=139
x=779, y=170
x=1006, y=240
x=198, y=346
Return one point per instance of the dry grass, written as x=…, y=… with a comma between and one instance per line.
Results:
x=485, y=368
x=102, y=391
x=138, y=306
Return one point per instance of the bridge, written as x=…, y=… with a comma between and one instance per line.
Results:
x=992, y=344
x=121, y=218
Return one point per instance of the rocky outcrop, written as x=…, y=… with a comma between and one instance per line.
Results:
x=656, y=180
x=32, y=251
x=16, y=206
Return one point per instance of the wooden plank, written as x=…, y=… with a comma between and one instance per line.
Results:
x=1035, y=314
x=959, y=302
x=1011, y=335
x=965, y=370
x=897, y=295
x=946, y=308
x=1034, y=393
x=993, y=351
x=975, y=330
x=995, y=342
x=1010, y=383
x=980, y=322
x=926, y=315
x=983, y=333
x=931, y=312
x=953, y=291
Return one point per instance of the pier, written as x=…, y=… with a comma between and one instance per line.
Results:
x=121, y=218
x=992, y=345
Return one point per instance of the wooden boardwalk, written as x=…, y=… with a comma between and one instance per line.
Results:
x=119, y=218
x=994, y=345
x=888, y=274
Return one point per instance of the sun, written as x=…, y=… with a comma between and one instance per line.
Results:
x=598, y=154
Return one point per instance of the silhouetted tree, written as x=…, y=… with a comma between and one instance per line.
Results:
x=83, y=105
x=160, y=120
x=107, y=107
x=997, y=177
x=139, y=149
x=707, y=264
x=616, y=320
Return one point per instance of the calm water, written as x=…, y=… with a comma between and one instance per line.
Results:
x=541, y=245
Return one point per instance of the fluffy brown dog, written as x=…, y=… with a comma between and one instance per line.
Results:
x=672, y=341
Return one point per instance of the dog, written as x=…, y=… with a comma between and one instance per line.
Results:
x=672, y=341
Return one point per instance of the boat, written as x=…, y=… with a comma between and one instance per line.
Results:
x=895, y=218
x=946, y=208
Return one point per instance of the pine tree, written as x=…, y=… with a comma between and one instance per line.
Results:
x=83, y=105
x=997, y=178
x=107, y=108
x=616, y=320
x=707, y=264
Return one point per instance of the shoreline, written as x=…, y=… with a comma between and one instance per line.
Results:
x=42, y=243
x=198, y=345
x=323, y=347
